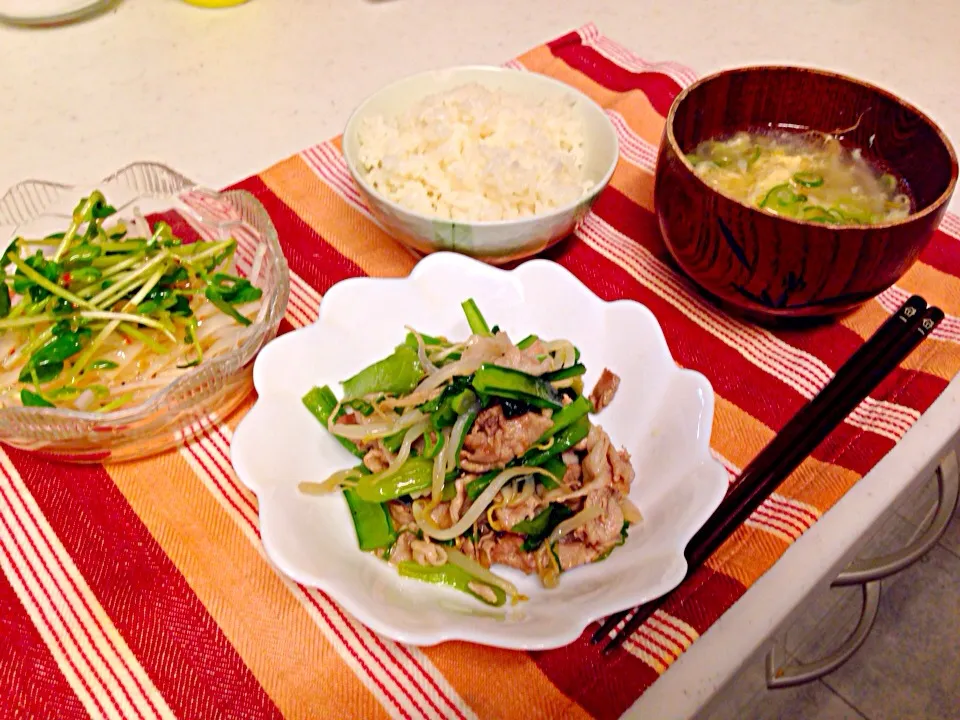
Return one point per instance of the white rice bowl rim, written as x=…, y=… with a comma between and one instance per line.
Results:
x=448, y=79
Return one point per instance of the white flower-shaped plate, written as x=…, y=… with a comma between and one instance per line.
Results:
x=661, y=414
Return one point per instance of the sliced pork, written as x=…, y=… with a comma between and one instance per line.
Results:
x=494, y=440
x=604, y=390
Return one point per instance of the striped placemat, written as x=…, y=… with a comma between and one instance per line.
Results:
x=142, y=590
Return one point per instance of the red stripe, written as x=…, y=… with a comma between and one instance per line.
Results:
x=321, y=266
x=356, y=633
x=604, y=687
x=771, y=519
x=765, y=524
x=285, y=327
x=702, y=599
x=832, y=343
x=911, y=388
x=223, y=465
x=68, y=623
x=433, y=683
x=165, y=625
x=664, y=619
x=299, y=302
x=802, y=514
x=312, y=258
x=607, y=686
x=222, y=476
x=82, y=599
x=623, y=215
x=756, y=392
x=310, y=594
x=653, y=637
x=660, y=89
x=23, y=654
x=943, y=253
x=205, y=460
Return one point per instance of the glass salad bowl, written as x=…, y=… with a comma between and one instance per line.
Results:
x=197, y=396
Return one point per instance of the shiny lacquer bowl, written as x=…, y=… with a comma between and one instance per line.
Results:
x=774, y=267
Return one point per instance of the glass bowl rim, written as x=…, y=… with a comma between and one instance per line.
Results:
x=222, y=366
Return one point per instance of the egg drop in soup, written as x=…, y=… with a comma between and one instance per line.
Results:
x=806, y=176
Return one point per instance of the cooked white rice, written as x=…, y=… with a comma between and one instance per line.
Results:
x=477, y=154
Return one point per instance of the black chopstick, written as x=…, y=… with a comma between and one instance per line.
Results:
x=907, y=316
x=859, y=376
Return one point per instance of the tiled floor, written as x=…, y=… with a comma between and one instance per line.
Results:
x=909, y=666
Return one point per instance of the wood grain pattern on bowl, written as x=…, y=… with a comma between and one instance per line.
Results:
x=772, y=267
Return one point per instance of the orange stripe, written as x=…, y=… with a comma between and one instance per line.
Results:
x=750, y=551
x=938, y=287
x=739, y=437
x=939, y=357
x=747, y=555
x=270, y=629
x=467, y=667
x=634, y=182
x=500, y=683
x=633, y=104
x=866, y=319
x=345, y=228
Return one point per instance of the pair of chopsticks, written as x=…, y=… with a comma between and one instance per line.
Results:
x=852, y=383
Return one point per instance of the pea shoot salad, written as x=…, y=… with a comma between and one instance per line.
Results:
x=478, y=453
x=102, y=315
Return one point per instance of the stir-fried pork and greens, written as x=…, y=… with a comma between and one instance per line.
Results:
x=104, y=314
x=479, y=453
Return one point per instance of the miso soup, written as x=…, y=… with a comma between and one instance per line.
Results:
x=807, y=176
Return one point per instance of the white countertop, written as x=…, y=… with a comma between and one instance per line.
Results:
x=221, y=94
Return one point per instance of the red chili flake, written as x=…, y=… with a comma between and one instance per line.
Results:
x=66, y=279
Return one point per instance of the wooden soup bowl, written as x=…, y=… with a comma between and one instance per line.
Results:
x=772, y=268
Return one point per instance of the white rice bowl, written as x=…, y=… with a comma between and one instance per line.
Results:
x=494, y=163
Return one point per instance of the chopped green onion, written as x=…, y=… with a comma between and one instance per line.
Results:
x=782, y=197
x=808, y=179
x=415, y=475
x=478, y=326
x=527, y=342
x=565, y=373
x=371, y=521
x=398, y=374
x=452, y=576
x=117, y=403
x=321, y=402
